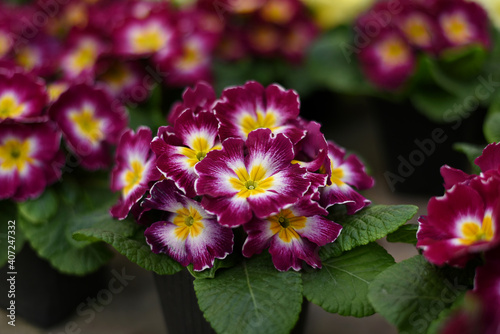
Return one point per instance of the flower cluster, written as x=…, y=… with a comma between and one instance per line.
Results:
x=272, y=28
x=463, y=224
x=392, y=35
x=31, y=127
x=244, y=160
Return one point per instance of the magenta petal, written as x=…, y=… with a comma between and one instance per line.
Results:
x=231, y=212
x=259, y=236
x=290, y=255
x=490, y=159
x=453, y=176
x=344, y=194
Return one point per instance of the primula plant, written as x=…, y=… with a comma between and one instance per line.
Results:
x=453, y=286
x=259, y=206
x=440, y=55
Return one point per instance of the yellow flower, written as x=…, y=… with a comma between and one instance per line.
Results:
x=329, y=14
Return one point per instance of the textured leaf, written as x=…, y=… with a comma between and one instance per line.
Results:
x=406, y=234
x=367, y=225
x=412, y=293
x=39, y=210
x=53, y=240
x=8, y=212
x=341, y=286
x=132, y=245
x=252, y=297
x=228, y=262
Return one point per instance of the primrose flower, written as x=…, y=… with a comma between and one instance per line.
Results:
x=81, y=55
x=191, y=235
x=22, y=97
x=492, y=7
x=199, y=98
x=420, y=28
x=252, y=177
x=152, y=34
x=243, y=109
x=40, y=56
x=292, y=235
x=463, y=23
x=389, y=60
x=134, y=169
x=124, y=79
x=29, y=159
x=91, y=121
x=465, y=221
x=181, y=147
x=343, y=175
x=193, y=62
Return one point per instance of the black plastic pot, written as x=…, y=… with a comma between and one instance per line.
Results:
x=43, y=295
x=180, y=306
x=415, y=147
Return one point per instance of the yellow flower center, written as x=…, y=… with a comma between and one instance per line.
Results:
x=84, y=56
x=473, y=232
x=26, y=57
x=55, y=90
x=286, y=223
x=277, y=11
x=415, y=29
x=394, y=52
x=87, y=125
x=148, y=39
x=4, y=44
x=262, y=120
x=251, y=184
x=116, y=76
x=189, y=222
x=198, y=150
x=456, y=28
x=190, y=58
x=133, y=176
x=15, y=154
x=10, y=107
x=265, y=38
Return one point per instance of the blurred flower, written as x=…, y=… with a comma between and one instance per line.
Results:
x=22, y=97
x=135, y=168
x=191, y=235
x=91, y=121
x=329, y=14
x=463, y=23
x=29, y=159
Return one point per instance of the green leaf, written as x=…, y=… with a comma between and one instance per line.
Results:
x=252, y=297
x=472, y=152
x=8, y=217
x=437, y=104
x=436, y=326
x=228, y=262
x=341, y=286
x=366, y=226
x=53, y=240
x=491, y=127
x=464, y=63
x=41, y=209
x=332, y=61
x=133, y=245
x=412, y=293
x=406, y=234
